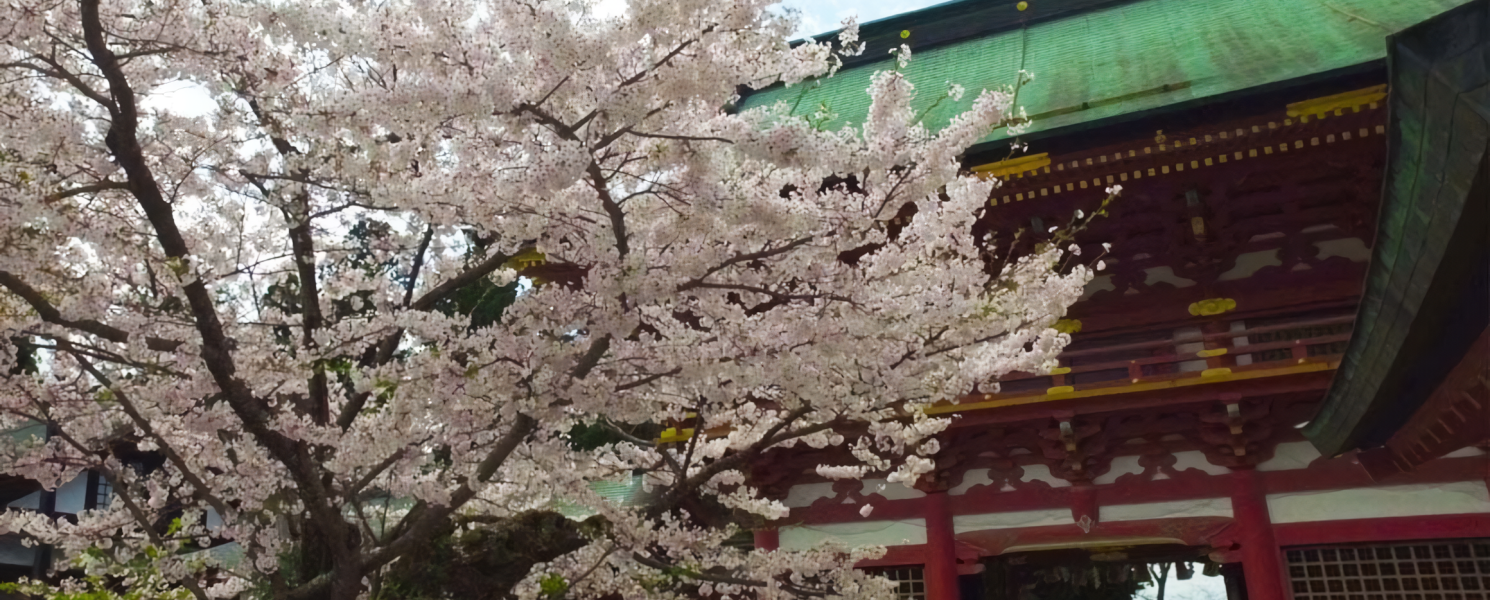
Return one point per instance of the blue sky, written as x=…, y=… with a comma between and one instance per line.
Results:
x=818, y=16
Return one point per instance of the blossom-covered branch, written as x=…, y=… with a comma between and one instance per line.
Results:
x=359, y=299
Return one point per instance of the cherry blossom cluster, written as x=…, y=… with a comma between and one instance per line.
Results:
x=237, y=236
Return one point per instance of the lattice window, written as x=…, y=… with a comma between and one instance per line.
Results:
x=1301, y=333
x=910, y=581
x=103, y=494
x=1440, y=570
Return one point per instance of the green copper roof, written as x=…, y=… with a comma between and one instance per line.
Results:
x=625, y=493
x=33, y=430
x=1130, y=58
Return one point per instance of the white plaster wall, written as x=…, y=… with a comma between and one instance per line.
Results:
x=1465, y=452
x=1189, y=349
x=1121, y=465
x=1012, y=520
x=1188, y=459
x=1290, y=455
x=1100, y=283
x=1035, y=472
x=1039, y=472
x=805, y=494
x=891, y=491
x=1389, y=501
x=971, y=478
x=1204, y=507
x=867, y=533
x=1195, y=459
x=1242, y=360
x=1353, y=249
x=1165, y=274
x=1248, y=263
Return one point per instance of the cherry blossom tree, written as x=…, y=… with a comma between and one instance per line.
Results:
x=285, y=297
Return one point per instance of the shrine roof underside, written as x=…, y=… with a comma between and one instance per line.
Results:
x=1426, y=294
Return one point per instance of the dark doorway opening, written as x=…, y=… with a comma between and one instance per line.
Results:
x=1149, y=572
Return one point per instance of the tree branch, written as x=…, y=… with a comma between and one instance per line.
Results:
x=216, y=348
x=612, y=209
x=58, y=72
x=745, y=258
x=437, y=516
x=429, y=234
x=648, y=379
x=202, y=490
x=428, y=299
x=50, y=314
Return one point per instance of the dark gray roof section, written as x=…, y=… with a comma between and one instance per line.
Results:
x=1426, y=294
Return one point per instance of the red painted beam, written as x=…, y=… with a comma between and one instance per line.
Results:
x=1456, y=415
x=1256, y=296
x=1191, y=531
x=1341, y=473
x=767, y=539
x=1207, y=530
x=1172, y=396
x=909, y=554
x=1392, y=529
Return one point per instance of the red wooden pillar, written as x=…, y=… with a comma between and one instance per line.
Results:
x=767, y=539
x=1486, y=446
x=1262, y=562
x=941, y=550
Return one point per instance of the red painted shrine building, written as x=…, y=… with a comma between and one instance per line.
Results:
x=1281, y=377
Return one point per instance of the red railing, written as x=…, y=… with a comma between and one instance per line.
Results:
x=1092, y=364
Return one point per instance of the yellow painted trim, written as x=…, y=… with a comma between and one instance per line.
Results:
x=673, y=435
x=1212, y=352
x=1060, y=389
x=1212, y=306
x=1060, y=370
x=1330, y=104
x=528, y=257
x=1012, y=166
x=1137, y=387
x=1209, y=373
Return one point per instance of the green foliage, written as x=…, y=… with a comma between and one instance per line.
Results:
x=25, y=357
x=553, y=585
x=585, y=437
x=135, y=579
x=483, y=300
